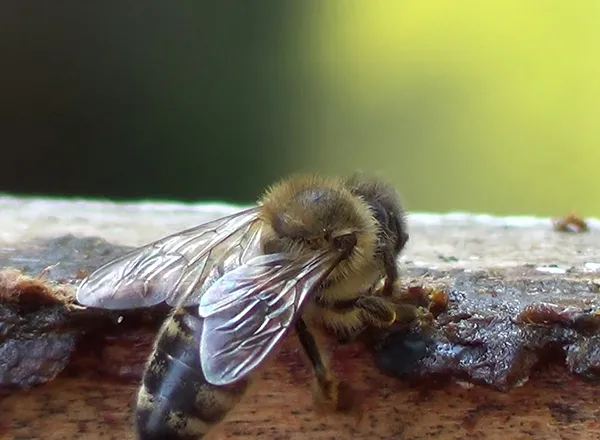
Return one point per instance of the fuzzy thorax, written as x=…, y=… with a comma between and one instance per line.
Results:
x=308, y=213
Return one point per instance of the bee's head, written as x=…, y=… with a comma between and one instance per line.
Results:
x=308, y=213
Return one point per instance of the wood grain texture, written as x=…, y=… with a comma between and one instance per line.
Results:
x=81, y=403
x=553, y=405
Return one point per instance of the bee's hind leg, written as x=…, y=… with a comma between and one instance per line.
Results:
x=331, y=393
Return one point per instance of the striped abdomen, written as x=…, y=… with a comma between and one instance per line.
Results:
x=175, y=402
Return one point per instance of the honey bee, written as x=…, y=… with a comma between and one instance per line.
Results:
x=306, y=258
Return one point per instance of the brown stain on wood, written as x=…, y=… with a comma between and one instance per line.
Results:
x=554, y=405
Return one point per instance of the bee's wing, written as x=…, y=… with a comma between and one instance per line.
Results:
x=249, y=309
x=176, y=269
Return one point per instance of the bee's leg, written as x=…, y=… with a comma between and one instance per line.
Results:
x=391, y=273
x=329, y=387
x=376, y=311
x=373, y=311
x=324, y=377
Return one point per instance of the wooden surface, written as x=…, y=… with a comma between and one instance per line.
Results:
x=551, y=404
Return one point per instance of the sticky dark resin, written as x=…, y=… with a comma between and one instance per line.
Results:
x=36, y=344
x=31, y=348
x=41, y=333
x=402, y=351
x=498, y=328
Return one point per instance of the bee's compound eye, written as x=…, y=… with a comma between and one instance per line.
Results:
x=345, y=242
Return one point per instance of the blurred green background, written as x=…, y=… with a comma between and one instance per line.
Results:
x=480, y=106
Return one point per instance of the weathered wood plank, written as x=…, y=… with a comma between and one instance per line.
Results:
x=492, y=268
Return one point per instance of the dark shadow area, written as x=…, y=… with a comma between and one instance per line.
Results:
x=135, y=100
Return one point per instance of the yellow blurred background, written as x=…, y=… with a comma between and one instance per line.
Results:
x=482, y=106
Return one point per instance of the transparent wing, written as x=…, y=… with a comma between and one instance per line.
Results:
x=247, y=311
x=176, y=269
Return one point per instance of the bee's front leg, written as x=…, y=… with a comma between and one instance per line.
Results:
x=376, y=311
x=330, y=393
x=373, y=311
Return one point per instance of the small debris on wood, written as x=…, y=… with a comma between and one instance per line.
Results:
x=21, y=289
x=439, y=302
x=546, y=314
x=570, y=223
